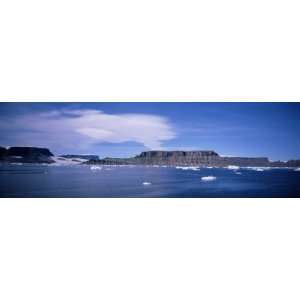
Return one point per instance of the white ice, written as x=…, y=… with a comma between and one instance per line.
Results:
x=94, y=168
x=188, y=168
x=146, y=183
x=257, y=169
x=208, y=178
x=233, y=167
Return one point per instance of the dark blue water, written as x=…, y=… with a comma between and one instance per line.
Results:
x=81, y=181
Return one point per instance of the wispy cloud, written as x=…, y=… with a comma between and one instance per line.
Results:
x=82, y=128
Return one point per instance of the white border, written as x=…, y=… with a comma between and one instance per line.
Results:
x=149, y=248
x=135, y=50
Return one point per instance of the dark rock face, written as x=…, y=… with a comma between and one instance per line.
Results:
x=26, y=155
x=28, y=151
x=289, y=163
x=176, y=157
x=113, y=161
x=88, y=157
x=3, y=152
x=242, y=161
x=196, y=158
x=293, y=163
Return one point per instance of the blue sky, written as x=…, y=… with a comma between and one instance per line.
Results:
x=125, y=129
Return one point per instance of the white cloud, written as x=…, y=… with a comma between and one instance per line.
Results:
x=81, y=128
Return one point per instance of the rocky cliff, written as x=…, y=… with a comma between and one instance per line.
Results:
x=290, y=163
x=25, y=155
x=3, y=152
x=171, y=158
x=190, y=158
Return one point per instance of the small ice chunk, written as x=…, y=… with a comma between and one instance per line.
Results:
x=233, y=167
x=188, y=168
x=238, y=173
x=208, y=178
x=195, y=169
x=258, y=169
x=297, y=169
x=94, y=168
x=146, y=183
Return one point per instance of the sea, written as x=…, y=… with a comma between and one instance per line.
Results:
x=29, y=180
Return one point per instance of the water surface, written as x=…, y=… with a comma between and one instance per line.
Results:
x=81, y=181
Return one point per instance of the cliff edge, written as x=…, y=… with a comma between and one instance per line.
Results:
x=188, y=158
x=25, y=155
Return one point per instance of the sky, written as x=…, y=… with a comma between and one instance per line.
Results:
x=125, y=129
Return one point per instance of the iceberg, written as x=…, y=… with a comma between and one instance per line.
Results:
x=256, y=169
x=188, y=168
x=298, y=169
x=195, y=169
x=208, y=178
x=94, y=168
x=146, y=183
x=233, y=167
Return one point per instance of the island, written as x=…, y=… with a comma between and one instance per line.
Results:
x=201, y=158
x=193, y=158
x=26, y=155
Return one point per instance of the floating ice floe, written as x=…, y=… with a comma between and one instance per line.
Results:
x=256, y=169
x=238, y=173
x=280, y=168
x=146, y=183
x=208, y=178
x=95, y=168
x=195, y=169
x=233, y=167
x=188, y=168
x=260, y=169
x=297, y=169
